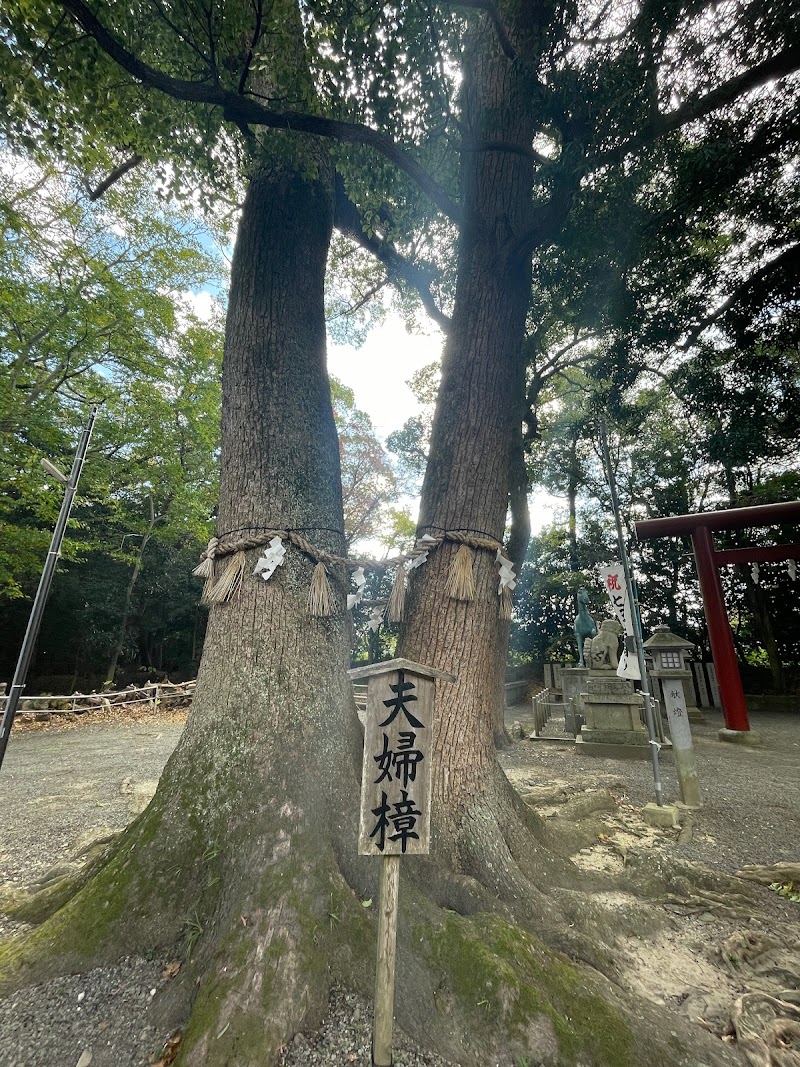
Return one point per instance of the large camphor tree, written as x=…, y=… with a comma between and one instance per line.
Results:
x=249, y=844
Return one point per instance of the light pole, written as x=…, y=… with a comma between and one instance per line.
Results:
x=42, y=593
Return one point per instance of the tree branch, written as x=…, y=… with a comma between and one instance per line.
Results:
x=348, y=221
x=245, y=110
x=514, y=150
x=490, y=9
x=787, y=262
x=546, y=219
x=726, y=172
x=253, y=45
x=114, y=176
x=776, y=67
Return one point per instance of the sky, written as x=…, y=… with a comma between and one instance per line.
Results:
x=377, y=373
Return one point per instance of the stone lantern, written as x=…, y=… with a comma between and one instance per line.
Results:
x=669, y=653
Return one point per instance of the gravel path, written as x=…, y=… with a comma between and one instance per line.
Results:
x=751, y=811
x=57, y=784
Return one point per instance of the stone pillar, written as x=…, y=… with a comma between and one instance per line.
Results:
x=682, y=748
x=558, y=671
x=669, y=676
x=573, y=683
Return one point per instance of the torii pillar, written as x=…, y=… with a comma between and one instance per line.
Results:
x=700, y=527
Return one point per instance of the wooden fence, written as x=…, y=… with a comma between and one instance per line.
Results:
x=152, y=693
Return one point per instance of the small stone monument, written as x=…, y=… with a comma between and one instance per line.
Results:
x=573, y=679
x=610, y=705
x=668, y=653
x=573, y=683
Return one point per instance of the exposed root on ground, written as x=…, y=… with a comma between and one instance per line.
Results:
x=768, y=1028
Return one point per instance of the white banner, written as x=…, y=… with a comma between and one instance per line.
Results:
x=613, y=579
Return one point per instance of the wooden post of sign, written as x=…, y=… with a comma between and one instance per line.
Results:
x=386, y=961
x=395, y=805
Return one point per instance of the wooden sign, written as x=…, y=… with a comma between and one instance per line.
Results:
x=395, y=805
x=396, y=771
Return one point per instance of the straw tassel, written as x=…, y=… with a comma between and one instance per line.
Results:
x=206, y=566
x=504, y=611
x=320, y=596
x=397, y=601
x=208, y=585
x=228, y=582
x=461, y=584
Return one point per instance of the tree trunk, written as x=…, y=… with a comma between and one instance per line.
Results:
x=235, y=860
x=137, y=570
x=762, y=624
x=466, y=486
x=246, y=859
x=518, y=538
x=573, y=475
x=273, y=723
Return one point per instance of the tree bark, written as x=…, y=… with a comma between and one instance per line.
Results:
x=466, y=485
x=273, y=723
x=573, y=476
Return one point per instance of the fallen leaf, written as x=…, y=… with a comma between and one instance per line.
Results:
x=170, y=1050
x=366, y=903
x=171, y=969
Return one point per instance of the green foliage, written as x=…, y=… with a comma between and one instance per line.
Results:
x=368, y=480
x=789, y=890
x=661, y=190
x=669, y=458
x=411, y=443
x=353, y=283
x=95, y=306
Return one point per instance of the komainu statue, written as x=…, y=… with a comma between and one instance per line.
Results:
x=605, y=646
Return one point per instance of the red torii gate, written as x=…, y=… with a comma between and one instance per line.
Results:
x=701, y=527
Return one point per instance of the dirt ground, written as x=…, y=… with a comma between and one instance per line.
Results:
x=68, y=778
x=707, y=958
x=704, y=959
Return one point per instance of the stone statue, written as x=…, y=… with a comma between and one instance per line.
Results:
x=605, y=646
x=584, y=625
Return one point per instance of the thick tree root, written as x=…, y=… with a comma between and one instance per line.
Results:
x=781, y=873
x=36, y=902
x=768, y=1028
